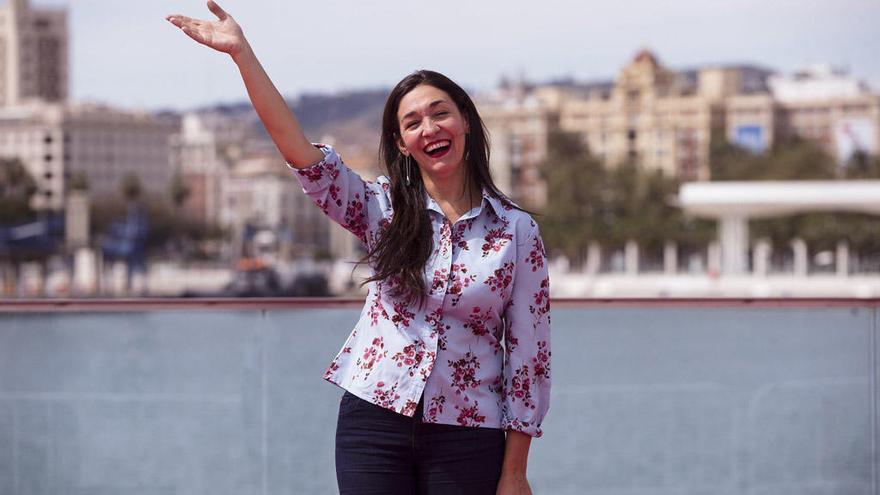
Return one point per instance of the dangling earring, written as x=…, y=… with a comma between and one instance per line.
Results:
x=407, y=165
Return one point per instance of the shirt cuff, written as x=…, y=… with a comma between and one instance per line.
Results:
x=530, y=429
x=319, y=175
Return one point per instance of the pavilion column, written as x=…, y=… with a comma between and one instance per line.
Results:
x=631, y=258
x=799, y=248
x=733, y=234
x=762, y=258
x=842, y=259
x=594, y=258
x=670, y=258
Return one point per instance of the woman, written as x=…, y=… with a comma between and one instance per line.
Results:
x=433, y=404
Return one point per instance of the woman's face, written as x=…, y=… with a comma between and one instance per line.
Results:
x=432, y=131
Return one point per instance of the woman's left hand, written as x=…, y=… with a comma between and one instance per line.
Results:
x=513, y=484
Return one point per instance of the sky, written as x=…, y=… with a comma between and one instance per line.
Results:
x=124, y=52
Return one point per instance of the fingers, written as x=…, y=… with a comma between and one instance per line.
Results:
x=216, y=10
x=182, y=20
x=189, y=26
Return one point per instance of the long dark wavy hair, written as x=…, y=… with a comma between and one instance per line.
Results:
x=403, y=247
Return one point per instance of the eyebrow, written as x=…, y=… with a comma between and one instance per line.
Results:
x=432, y=105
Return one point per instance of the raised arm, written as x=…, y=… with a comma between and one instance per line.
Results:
x=225, y=35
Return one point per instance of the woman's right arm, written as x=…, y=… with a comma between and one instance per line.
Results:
x=225, y=35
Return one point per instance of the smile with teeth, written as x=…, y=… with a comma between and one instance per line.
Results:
x=438, y=148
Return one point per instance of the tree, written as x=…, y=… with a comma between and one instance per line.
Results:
x=789, y=159
x=79, y=181
x=180, y=191
x=17, y=187
x=575, y=207
x=862, y=166
x=589, y=203
x=131, y=187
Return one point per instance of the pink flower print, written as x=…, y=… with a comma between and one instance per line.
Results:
x=458, y=234
x=334, y=194
x=470, y=416
x=542, y=301
x=510, y=343
x=401, y=315
x=518, y=425
x=445, y=235
x=435, y=320
x=410, y=408
x=377, y=310
x=441, y=276
x=435, y=407
x=323, y=205
x=521, y=387
x=501, y=279
x=464, y=373
x=356, y=218
x=313, y=174
x=426, y=371
x=536, y=255
x=497, y=385
x=541, y=361
x=495, y=240
x=333, y=368
x=372, y=355
x=458, y=281
x=385, y=397
x=476, y=321
x=411, y=356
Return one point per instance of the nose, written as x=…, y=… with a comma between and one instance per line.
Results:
x=430, y=127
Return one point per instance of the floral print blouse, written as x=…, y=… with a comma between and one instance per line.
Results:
x=478, y=351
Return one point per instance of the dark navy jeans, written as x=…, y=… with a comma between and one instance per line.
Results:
x=382, y=452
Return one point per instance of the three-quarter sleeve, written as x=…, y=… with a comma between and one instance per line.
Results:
x=526, y=385
x=341, y=193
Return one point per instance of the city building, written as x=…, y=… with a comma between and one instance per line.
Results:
x=199, y=160
x=262, y=193
x=665, y=119
x=56, y=141
x=34, y=60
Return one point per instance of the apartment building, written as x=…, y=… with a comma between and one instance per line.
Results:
x=57, y=141
x=34, y=59
x=665, y=119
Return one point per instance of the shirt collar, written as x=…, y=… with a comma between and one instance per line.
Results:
x=495, y=204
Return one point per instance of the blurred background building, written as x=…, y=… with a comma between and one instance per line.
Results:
x=665, y=119
x=607, y=162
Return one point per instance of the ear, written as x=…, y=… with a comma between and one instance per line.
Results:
x=401, y=146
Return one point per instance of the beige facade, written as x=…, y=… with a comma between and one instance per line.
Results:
x=34, y=59
x=263, y=192
x=58, y=141
x=518, y=136
x=665, y=119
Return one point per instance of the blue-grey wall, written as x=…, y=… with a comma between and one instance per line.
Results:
x=665, y=401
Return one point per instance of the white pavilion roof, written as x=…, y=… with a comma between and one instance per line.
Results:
x=775, y=198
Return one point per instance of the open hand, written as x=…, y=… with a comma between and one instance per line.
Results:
x=223, y=35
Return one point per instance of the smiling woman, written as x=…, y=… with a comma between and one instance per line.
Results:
x=447, y=371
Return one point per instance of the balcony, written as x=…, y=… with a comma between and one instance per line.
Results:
x=649, y=397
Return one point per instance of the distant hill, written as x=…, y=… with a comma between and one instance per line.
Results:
x=317, y=113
